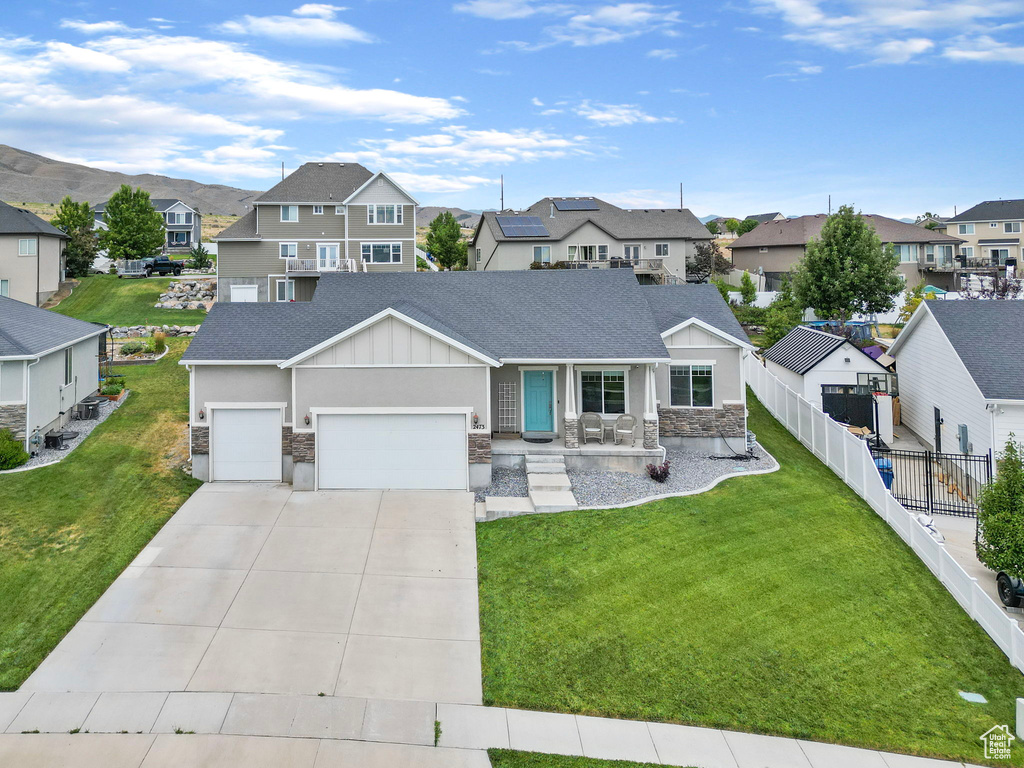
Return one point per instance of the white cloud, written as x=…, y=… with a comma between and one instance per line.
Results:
x=662, y=53
x=984, y=49
x=83, y=59
x=618, y=114
x=536, y=102
x=641, y=198
x=437, y=184
x=310, y=23
x=507, y=9
x=902, y=51
x=614, y=23
x=97, y=27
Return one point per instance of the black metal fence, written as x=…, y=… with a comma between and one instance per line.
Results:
x=936, y=483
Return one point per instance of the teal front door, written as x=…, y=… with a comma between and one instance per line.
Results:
x=538, y=401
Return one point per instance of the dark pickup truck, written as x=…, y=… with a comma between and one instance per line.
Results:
x=162, y=265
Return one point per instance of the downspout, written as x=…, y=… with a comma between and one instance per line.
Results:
x=28, y=398
x=191, y=403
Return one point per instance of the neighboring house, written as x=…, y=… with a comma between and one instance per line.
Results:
x=933, y=222
x=48, y=364
x=588, y=233
x=777, y=246
x=394, y=380
x=31, y=256
x=183, y=224
x=961, y=378
x=764, y=218
x=322, y=218
x=991, y=235
x=724, y=233
x=831, y=373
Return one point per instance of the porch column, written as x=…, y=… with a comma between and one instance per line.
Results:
x=572, y=422
x=650, y=409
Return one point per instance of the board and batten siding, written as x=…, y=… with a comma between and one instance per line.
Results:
x=931, y=375
x=390, y=341
x=328, y=226
x=835, y=370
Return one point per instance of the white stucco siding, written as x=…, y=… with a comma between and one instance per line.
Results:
x=931, y=376
x=239, y=384
x=726, y=372
x=50, y=401
x=12, y=381
x=835, y=370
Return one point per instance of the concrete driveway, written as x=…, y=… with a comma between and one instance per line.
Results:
x=256, y=589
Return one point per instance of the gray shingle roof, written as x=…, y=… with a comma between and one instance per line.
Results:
x=328, y=183
x=800, y=230
x=803, y=348
x=980, y=332
x=620, y=223
x=761, y=218
x=992, y=210
x=674, y=304
x=160, y=204
x=27, y=331
x=17, y=221
x=549, y=314
x=244, y=228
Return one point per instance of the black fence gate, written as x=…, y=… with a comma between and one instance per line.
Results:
x=936, y=483
x=849, y=404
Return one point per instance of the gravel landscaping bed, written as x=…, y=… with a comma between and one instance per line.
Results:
x=689, y=472
x=505, y=481
x=83, y=428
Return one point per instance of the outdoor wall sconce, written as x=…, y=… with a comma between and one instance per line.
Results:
x=476, y=420
x=306, y=419
x=202, y=414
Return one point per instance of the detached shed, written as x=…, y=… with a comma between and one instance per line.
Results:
x=830, y=372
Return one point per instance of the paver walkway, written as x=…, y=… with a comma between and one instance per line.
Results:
x=256, y=589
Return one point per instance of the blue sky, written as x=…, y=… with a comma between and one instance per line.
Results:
x=896, y=106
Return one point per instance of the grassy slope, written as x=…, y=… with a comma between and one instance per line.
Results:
x=106, y=299
x=68, y=530
x=508, y=758
x=777, y=604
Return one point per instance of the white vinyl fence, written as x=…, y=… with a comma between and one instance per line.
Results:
x=850, y=458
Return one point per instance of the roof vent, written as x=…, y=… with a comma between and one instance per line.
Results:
x=319, y=165
x=552, y=211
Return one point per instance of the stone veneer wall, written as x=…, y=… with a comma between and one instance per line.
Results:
x=286, y=441
x=728, y=421
x=479, y=448
x=14, y=417
x=572, y=433
x=650, y=434
x=200, y=440
x=303, y=447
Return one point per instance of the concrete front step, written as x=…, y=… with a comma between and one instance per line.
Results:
x=554, y=482
x=545, y=467
x=553, y=501
x=540, y=458
x=497, y=507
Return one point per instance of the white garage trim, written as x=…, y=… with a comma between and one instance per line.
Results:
x=316, y=413
x=212, y=408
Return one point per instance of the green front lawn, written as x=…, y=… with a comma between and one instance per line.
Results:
x=777, y=604
x=509, y=758
x=68, y=530
x=125, y=301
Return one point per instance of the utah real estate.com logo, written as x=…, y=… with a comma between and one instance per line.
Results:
x=997, y=741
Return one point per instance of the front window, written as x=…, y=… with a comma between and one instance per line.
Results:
x=286, y=290
x=177, y=238
x=965, y=229
x=383, y=214
x=289, y=250
x=382, y=253
x=69, y=365
x=1011, y=227
x=318, y=210
x=289, y=213
x=691, y=386
x=541, y=254
x=175, y=217
x=27, y=247
x=603, y=391
x=661, y=250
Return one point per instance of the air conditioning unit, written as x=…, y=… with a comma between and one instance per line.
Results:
x=751, y=441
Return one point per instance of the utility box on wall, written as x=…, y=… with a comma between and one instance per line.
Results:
x=961, y=433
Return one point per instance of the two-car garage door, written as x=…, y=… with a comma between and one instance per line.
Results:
x=374, y=450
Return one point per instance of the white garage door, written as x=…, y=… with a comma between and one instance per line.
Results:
x=392, y=451
x=246, y=444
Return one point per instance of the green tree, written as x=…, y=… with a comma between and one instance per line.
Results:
x=707, y=260
x=847, y=271
x=745, y=226
x=784, y=314
x=914, y=298
x=712, y=227
x=1001, y=515
x=134, y=229
x=723, y=288
x=732, y=225
x=445, y=243
x=75, y=220
x=748, y=291
x=199, y=257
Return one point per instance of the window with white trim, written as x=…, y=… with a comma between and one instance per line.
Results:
x=993, y=224
x=929, y=254
x=967, y=250
x=69, y=365
x=1011, y=227
x=661, y=250
x=603, y=392
x=965, y=229
x=691, y=386
x=289, y=250
x=383, y=214
x=478, y=253
x=906, y=252
x=339, y=210
x=289, y=213
x=602, y=253
x=318, y=210
x=541, y=254
x=177, y=238
x=178, y=217
x=588, y=252
x=382, y=253
x=27, y=246
x=5, y=287
x=286, y=290
x=762, y=249
x=570, y=251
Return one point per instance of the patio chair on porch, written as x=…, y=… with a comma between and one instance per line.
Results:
x=592, y=426
x=625, y=429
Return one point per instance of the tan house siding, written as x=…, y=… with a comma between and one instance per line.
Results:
x=408, y=263
x=249, y=259
x=778, y=258
x=359, y=229
x=327, y=226
x=33, y=279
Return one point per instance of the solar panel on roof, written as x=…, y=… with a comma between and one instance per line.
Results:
x=576, y=205
x=522, y=226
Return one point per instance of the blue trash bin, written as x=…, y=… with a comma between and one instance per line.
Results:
x=885, y=470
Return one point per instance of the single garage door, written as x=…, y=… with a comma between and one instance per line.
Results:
x=246, y=444
x=392, y=451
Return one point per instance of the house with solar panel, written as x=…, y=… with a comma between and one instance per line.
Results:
x=321, y=219
x=588, y=233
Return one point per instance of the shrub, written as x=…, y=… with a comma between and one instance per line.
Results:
x=658, y=472
x=723, y=288
x=1001, y=515
x=200, y=257
x=132, y=348
x=113, y=387
x=12, y=452
x=748, y=291
x=750, y=315
x=159, y=342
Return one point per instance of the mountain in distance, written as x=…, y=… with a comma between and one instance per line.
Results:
x=427, y=213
